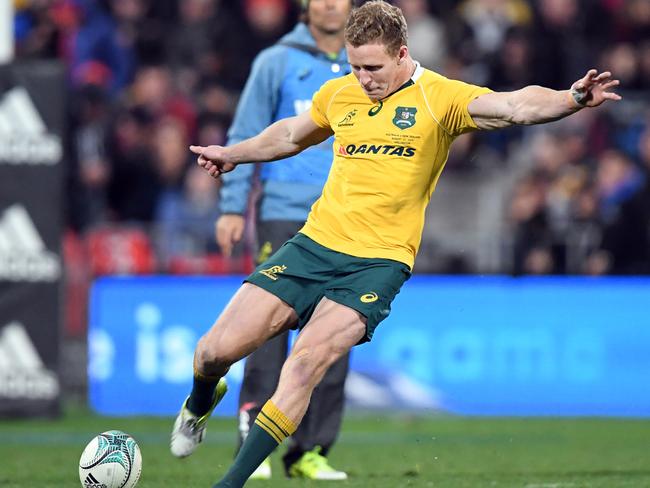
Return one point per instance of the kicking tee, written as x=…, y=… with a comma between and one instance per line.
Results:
x=388, y=156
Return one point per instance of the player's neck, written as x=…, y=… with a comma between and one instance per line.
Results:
x=330, y=43
x=409, y=69
x=406, y=72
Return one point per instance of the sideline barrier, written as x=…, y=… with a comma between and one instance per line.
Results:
x=465, y=345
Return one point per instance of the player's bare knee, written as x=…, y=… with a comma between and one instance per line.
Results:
x=211, y=356
x=300, y=367
x=307, y=365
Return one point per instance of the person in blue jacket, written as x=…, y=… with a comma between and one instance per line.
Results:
x=282, y=82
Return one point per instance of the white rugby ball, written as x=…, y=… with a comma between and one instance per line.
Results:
x=110, y=460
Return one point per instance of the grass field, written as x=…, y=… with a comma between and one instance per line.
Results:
x=377, y=451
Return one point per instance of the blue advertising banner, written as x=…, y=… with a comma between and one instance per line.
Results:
x=465, y=345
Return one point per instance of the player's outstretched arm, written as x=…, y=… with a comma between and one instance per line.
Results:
x=537, y=105
x=280, y=140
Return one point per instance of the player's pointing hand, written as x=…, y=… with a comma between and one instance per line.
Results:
x=212, y=159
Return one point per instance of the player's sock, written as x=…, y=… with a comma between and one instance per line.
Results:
x=202, y=395
x=270, y=429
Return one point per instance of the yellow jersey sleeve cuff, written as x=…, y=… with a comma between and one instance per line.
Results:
x=319, y=118
x=468, y=118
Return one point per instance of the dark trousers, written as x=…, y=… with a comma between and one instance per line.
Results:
x=322, y=422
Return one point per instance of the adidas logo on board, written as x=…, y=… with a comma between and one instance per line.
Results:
x=22, y=372
x=23, y=255
x=24, y=138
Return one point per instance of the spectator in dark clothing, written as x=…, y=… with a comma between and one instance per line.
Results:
x=93, y=167
x=567, y=39
x=510, y=69
x=532, y=236
x=624, y=246
x=134, y=187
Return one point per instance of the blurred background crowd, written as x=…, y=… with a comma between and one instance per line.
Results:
x=147, y=78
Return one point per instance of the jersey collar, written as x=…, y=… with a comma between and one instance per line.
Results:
x=418, y=72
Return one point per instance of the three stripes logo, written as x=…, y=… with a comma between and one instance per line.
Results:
x=92, y=482
x=23, y=255
x=22, y=372
x=24, y=138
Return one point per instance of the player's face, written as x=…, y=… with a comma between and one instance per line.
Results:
x=329, y=16
x=378, y=72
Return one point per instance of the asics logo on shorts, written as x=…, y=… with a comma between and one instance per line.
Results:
x=273, y=271
x=369, y=297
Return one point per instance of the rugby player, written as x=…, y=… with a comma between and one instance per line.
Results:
x=393, y=123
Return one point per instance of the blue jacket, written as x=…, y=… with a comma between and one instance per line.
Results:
x=282, y=83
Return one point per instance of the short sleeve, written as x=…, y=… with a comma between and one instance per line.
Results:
x=319, y=104
x=457, y=119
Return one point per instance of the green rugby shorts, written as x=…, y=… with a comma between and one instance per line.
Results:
x=302, y=272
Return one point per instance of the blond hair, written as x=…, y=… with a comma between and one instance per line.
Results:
x=377, y=22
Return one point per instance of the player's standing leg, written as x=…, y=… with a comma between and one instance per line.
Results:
x=261, y=376
x=306, y=456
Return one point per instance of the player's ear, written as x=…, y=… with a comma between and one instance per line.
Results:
x=402, y=54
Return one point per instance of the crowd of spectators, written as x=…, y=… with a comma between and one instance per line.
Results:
x=148, y=77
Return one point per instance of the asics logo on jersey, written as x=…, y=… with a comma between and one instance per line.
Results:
x=388, y=149
x=273, y=271
x=374, y=110
x=347, y=120
x=369, y=297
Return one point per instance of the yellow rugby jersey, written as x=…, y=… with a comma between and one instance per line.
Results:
x=387, y=159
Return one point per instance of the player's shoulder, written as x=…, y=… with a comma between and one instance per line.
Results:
x=433, y=80
x=347, y=84
x=442, y=89
x=341, y=82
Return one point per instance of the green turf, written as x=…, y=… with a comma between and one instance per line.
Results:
x=377, y=451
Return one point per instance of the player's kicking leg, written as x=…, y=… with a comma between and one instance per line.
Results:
x=252, y=316
x=189, y=427
x=331, y=332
